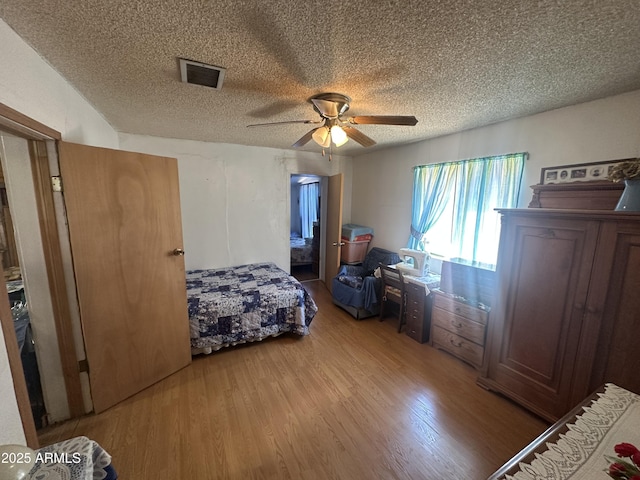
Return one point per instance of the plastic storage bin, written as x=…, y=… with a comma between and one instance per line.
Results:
x=350, y=231
x=354, y=252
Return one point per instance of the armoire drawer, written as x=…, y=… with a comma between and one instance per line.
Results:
x=457, y=345
x=459, y=325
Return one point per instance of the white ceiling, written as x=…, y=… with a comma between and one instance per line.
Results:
x=454, y=64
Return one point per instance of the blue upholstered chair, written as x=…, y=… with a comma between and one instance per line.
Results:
x=356, y=289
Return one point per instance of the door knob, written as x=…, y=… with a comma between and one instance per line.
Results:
x=178, y=252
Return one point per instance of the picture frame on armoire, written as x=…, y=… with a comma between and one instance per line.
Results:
x=585, y=172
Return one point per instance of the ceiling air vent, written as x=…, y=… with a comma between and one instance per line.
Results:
x=201, y=74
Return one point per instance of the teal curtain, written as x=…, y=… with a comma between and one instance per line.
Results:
x=485, y=184
x=476, y=187
x=309, y=206
x=431, y=186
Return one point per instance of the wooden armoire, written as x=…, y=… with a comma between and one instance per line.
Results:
x=566, y=317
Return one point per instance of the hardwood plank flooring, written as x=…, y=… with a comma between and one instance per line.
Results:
x=303, y=273
x=352, y=400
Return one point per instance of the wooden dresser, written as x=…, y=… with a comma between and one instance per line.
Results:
x=461, y=309
x=459, y=327
x=566, y=315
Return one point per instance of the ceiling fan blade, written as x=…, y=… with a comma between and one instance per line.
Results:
x=305, y=138
x=357, y=136
x=284, y=123
x=409, y=120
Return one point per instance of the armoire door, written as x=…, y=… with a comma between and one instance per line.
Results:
x=617, y=286
x=544, y=268
x=123, y=212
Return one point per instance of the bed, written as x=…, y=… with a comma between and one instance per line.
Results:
x=576, y=445
x=301, y=251
x=247, y=303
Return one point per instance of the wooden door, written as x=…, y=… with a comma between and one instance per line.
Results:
x=333, y=231
x=124, y=223
x=544, y=268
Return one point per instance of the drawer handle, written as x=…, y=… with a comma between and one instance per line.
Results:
x=452, y=342
x=457, y=309
x=456, y=325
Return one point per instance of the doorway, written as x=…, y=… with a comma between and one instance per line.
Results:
x=19, y=306
x=305, y=226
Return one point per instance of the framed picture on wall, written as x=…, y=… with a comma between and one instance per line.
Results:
x=586, y=172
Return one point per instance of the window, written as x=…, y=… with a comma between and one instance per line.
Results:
x=453, y=205
x=309, y=207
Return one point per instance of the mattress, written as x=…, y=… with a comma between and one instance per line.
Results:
x=247, y=303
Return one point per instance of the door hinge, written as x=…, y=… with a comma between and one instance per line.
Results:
x=56, y=184
x=83, y=366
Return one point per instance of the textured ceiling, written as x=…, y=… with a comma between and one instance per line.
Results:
x=454, y=64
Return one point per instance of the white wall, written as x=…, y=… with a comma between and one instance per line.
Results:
x=11, y=431
x=235, y=199
x=601, y=130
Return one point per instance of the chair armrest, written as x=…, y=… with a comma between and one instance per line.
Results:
x=375, y=283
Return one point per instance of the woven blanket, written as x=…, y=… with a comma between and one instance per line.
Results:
x=579, y=454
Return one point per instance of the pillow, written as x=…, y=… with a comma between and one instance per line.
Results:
x=353, y=282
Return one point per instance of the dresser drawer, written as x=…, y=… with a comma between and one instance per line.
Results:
x=457, y=345
x=416, y=328
x=458, y=325
x=415, y=305
x=459, y=308
x=415, y=289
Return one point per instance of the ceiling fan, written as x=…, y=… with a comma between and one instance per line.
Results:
x=337, y=129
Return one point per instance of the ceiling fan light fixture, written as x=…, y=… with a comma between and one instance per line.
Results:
x=321, y=137
x=338, y=136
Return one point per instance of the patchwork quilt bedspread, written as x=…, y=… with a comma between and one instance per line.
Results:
x=233, y=305
x=301, y=251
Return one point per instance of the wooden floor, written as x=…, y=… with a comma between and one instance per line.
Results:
x=353, y=400
x=304, y=273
